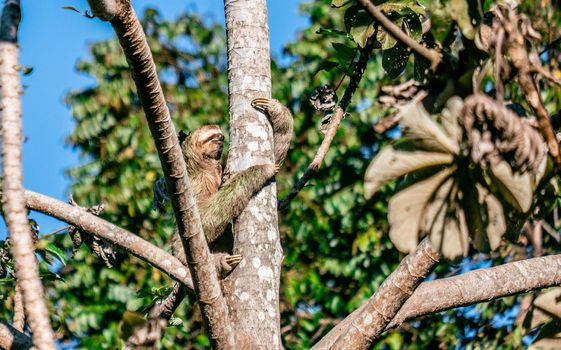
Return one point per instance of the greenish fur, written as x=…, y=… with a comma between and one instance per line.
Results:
x=220, y=203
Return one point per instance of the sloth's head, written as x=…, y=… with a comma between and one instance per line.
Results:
x=206, y=142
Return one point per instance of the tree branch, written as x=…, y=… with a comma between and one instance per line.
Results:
x=481, y=286
x=96, y=226
x=371, y=319
x=397, y=33
x=12, y=339
x=317, y=161
x=469, y=288
x=138, y=54
x=15, y=212
x=333, y=124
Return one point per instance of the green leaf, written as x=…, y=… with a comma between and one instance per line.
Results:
x=339, y=3
x=394, y=60
x=401, y=7
x=344, y=54
x=331, y=32
x=359, y=24
x=56, y=252
x=327, y=66
x=71, y=8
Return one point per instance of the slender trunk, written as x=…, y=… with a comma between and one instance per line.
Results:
x=133, y=41
x=252, y=289
x=15, y=212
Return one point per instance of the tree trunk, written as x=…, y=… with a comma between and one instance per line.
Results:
x=253, y=288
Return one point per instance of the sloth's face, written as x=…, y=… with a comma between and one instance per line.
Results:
x=210, y=140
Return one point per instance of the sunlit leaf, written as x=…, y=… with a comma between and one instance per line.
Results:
x=496, y=224
x=407, y=208
x=449, y=118
x=421, y=128
x=391, y=164
x=460, y=12
x=445, y=223
x=516, y=189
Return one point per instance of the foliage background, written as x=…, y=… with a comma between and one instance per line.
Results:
x=335, y=242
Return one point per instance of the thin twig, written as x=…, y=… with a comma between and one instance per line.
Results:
x=47, y=235
x=334, y=123
x=431, y=55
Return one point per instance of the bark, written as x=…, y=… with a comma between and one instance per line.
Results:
x=138, y=54
x=98, y=227
x=12, y=339
x=15, y=212
x=381, y=308
x=480, y=286
x=252, y=289
x=469, y=288
x=19, y=315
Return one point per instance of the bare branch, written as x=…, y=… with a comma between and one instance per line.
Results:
x=397, y=33
x=469, y=288
x=370, y=320
x=97, y=226
x=481, y=286
x=317, y=161
x=12, y=339
x=15, y=212
x=333, y=124
x=138, y=54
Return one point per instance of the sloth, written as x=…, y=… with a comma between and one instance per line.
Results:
x=220, y=202
x=221, y=199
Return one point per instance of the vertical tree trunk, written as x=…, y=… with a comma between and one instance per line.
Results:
x=253, y=288
x=15, y=212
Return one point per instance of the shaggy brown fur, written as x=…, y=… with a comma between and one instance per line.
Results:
x=219, y=203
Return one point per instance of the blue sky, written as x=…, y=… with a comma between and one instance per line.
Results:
x=52, y=40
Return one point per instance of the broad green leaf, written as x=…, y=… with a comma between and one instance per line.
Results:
x=359, y=24
x=391, y=164
x=422, y=129
x=56, y=252
x=516, y=189
x=407, y=208
x=413, y=26
x=395, y=59
x=343, y=53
